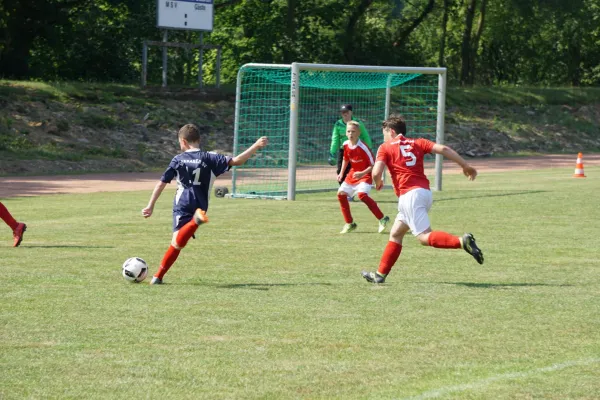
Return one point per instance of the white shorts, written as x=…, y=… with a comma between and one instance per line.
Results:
x=413, y=207
x=352, y=190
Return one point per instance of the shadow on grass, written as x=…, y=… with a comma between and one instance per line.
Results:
x=66, y=246
x=482, y=285
x=258, y=286
x=360, y=232
x=521, y=193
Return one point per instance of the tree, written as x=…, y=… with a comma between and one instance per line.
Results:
x=407, y=28
x=290, y=31
x=441, y=60
x=348, y=37
x=475, y=43
x=25, y=21
x=466, y=52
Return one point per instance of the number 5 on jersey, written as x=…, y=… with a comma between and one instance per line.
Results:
x=405, y=153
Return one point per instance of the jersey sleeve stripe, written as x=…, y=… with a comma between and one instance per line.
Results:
x=365, y=148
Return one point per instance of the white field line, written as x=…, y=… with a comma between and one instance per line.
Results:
x=513, y=375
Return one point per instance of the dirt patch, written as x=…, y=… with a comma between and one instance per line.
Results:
x=116, y=182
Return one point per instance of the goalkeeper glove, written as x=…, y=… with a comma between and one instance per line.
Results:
x=331, y=160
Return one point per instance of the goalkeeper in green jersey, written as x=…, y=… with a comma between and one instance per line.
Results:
x=338, y=137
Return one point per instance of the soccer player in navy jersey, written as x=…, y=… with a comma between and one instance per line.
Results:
x=18, y=228
x=195, y=171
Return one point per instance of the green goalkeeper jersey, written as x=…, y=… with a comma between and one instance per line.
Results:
x=338, y=137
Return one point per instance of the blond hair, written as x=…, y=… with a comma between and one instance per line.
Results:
x=354, y=123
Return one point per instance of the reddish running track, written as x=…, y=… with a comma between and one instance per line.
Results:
x=44, y=185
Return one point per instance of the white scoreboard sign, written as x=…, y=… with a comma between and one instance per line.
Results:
x=186, y=14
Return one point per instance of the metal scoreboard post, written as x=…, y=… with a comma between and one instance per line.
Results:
x=197, y=15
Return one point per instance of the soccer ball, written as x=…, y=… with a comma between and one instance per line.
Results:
x=135, y=269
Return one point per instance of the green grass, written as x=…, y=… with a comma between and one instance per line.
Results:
x=66, y=91
x=268, y=301
x=521, y=95
x=99, y=93
x=107, y=93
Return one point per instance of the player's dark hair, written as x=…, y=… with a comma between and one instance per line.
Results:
x=190, y=132
x=397, y=123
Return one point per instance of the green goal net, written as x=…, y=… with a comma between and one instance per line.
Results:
x=299, y=142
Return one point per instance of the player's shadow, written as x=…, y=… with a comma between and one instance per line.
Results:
x=66, y=246
x=520, y=193
x=262, y=286
x=486, y=285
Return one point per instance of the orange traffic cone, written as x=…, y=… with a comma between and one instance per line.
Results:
x=579, y=167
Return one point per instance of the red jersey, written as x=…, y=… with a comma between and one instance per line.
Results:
x=403, y=157
x=360, y=158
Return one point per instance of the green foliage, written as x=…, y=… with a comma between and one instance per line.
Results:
x=551, y=42
x=62, y=125
x=15, y=141
x=95, y=120
x=521, y=95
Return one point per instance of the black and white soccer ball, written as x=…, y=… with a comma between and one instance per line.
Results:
x=135, y=269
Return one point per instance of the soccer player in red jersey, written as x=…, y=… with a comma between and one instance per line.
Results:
x=195, y=171
x=358, y=181
x=18, y=228
x=403, y=158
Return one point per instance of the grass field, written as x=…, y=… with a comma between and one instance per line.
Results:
x=268, y=301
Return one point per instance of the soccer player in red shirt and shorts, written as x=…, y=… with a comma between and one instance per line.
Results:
x=358, y=181
x=403, y=158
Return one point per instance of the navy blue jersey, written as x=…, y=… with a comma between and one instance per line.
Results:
x=195, y=171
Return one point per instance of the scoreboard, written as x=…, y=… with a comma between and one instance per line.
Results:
x=194, y=15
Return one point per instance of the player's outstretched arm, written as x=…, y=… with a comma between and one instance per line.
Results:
x=241, y=159
x=447, y=152
x=378, y=174
x=160, y=186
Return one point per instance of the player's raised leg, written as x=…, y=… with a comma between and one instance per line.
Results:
x=180, y=240
x=444, y=240
x=469, y=245
x=18, y=228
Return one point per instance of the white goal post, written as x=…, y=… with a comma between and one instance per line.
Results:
x=296, y=106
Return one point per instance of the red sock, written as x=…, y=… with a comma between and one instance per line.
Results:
x=183, y=236
x=185, y=233
x=443, y=240
x=345, y=206
x=169, y=259
x=390, y=256
x=371, y=204
x=5, y=215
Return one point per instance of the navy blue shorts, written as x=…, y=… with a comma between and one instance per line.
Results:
x=180, y=218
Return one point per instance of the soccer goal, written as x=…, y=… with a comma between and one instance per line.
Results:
x=297, y=105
